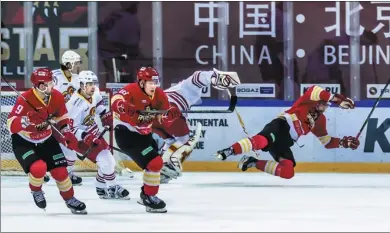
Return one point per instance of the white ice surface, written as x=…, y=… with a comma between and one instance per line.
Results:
x=213, y=202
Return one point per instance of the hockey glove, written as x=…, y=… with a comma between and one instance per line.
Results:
x=107, y=120
x=174, y=112
x=343, y=102
x=37, y=119
x=91, y=140
x=70, y=141
x=350, y=142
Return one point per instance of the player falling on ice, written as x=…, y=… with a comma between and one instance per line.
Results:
x=66, y=81
x=35, y=148
x=175, y=132
x=83, y=107
x=305, y=116
x=133, y=130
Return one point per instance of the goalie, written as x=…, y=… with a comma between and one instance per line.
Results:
x=175, y=131
x=305, y=116
x=83, y=107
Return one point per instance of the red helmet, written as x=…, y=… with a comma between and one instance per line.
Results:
x=41, y=75
x=147, y=74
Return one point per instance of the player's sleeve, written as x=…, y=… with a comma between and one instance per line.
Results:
x=316, y=93
x=57, y=82
x=16, y=116
x=321, y=133
x=122, y=96
x=100, y=108
x=163, y=100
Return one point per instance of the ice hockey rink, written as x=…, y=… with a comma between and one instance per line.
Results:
x=213, y=202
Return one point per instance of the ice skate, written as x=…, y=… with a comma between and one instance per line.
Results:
x=118, y=192
x=223, y=154
x=39, y=199
x=76, y=206
x=247, y=161
x=76, y=180
x=153, y=204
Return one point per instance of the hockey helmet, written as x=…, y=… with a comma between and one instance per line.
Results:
x=70, y=58
x=148, y=74
x=41, y=75
x=87, y=76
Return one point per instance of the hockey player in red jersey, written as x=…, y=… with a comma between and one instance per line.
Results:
x=133, y=130
x=34, y=146
x=305, y=116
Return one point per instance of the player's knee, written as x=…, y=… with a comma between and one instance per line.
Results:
x=38, y=169
x=59, y=173
x=259, y=142
x=105, y=160
x=287, y=170
x=155, y=164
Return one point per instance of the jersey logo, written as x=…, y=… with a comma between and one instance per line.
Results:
x=68, y=93
x=146, y=117
x=89, y=120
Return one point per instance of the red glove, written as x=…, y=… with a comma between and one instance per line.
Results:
x=173, y=112
x=70, y=141
x=38, y=117
x=91, y=139
x=107, y=120
x=126, y=110
x=343, y=102
x=350, y=142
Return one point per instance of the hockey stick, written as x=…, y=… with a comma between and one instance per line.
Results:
x=32, y=106
x=242, y=124
x=232, y=106
x=373, y=108
x=82, y=157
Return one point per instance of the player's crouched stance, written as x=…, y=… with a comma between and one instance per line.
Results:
x=83, y=107
x=133, y=131
x=306, y=115
x=36, y=150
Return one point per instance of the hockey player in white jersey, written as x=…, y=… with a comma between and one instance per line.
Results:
x=83, y=107
x=120, y=168
x=65, y=79
x=176, y=133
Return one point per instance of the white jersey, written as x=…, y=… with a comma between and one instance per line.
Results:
x=84, y=112
x=189, y=91
x=64, y=85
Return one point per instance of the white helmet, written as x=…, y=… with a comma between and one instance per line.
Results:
x=70, y=57
x=87, y=76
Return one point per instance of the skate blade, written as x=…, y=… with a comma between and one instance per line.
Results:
x=77, y=184
x=79, y=212
x=155, y=211
x=140, y=202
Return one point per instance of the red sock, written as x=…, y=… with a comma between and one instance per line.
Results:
x=152, y=176
x=64, y=184
x=37, y=172
x=246, y=145
x=284, y=169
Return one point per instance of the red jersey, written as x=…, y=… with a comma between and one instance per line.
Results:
x=55, y=107
x=301, y=121
x=133, y=94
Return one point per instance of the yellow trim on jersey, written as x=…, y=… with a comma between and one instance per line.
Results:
x=9, y=122
x=82, y=97
x=117, y=97
x=40, y=99
x=315, y=94
x=70, y=78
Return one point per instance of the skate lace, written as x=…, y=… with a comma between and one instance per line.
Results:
x=38, y=196
x=154, y=199
x=73, y=202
